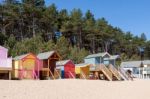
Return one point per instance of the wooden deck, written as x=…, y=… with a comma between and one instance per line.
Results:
x=5, y=73
x=46, y=73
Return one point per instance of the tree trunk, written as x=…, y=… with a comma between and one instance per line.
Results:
x=33, y=26
x=3, y=27
x=21, y=29
x=80, y=39
x=93, y=44
x=3, y=30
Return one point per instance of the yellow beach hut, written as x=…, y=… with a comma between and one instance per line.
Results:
x=82, y=70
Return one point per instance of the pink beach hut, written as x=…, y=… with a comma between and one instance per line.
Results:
x=5, y=64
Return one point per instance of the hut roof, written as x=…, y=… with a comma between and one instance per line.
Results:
x=82, y=65
x=3, y=48
x=97, y=55
x=20, y=57
x=131, y=64
x=45, y=55
x=62, y=63
x=114, y=56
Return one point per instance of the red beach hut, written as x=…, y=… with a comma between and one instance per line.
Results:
x=67, y=68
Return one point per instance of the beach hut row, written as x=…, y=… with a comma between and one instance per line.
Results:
x=49, y=65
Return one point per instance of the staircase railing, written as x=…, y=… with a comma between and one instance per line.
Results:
x=106, y=71
x=115, y=72
x=51, y=74
x=72, y=75
x=123, y=74
x=83, y=75
x=21, y=73
x=34, y=74
x=57, y=73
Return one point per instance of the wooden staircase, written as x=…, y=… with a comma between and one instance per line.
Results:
x=115, y=72
x=51, y=75
x=123, y=74
x=57, y=74
x=83, y=75
x=72, y=76
x=105, y=71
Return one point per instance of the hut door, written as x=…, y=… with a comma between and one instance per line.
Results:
x=52, y=64
x=28, y=67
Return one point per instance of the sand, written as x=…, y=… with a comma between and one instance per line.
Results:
x=74, y=89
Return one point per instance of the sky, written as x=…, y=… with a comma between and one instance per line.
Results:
x=129, y=15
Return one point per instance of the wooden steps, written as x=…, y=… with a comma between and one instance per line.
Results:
x=115, y=72
x=105, y=71
x=72, y=76
x=57, y=74
x=123, y=74
x=83, y=76
x=51, y=75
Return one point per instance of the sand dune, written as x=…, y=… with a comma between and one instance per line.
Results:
x=74, y=89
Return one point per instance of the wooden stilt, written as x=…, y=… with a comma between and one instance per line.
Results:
x=52, y=74
x=9, y=73
x=48, y=73
x=57, y=73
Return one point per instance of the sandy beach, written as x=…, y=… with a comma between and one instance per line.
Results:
x=74, y=89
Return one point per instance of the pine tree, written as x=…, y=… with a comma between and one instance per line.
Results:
x=143, y=37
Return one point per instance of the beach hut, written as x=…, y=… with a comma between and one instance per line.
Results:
x=101, y=58
x=5, y=64
x=26, y=66
x=82, y=70
x=67, y=68
x=48, y=64
x=139, y=69
x=97, y=58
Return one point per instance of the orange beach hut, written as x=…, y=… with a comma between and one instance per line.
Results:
x=26, y=66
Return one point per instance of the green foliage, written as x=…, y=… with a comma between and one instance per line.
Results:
x=143, y=37
x=135, y=57
x=37, y=3
x=47, y=46
x=147, y=50
x=77, y=55
x=22, y=23
x=124, y=57
x=3, y=38
x=10, y=43
x=62, y=47
x=33, y=45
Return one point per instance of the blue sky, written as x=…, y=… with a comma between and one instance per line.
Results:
x=129, y=15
